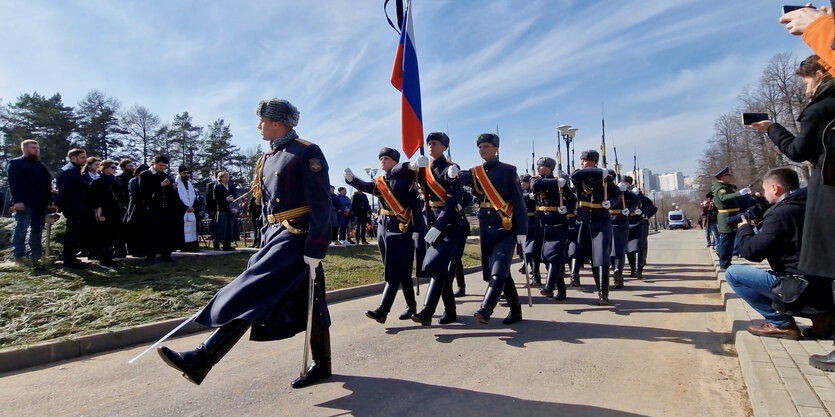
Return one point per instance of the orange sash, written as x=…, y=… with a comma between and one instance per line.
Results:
x=504, y=209
x=433, y=184
x=403, y=214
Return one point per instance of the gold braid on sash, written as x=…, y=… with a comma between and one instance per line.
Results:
x=256, y=180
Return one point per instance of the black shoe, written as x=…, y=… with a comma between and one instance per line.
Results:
x=482, y=317
x=617, y=285
x=74, y=265
x=216, y=246
x=603, y=300
x=314, y=373
x=513, y=317
x=185, y=362
x=560, y=295
x=575, y=282
x=823, y=362
x=536, y=281
x=407, y=313
x=377, y=315
x=422, y=318
x=546, y=292
x=460, y=292
x=447, y=318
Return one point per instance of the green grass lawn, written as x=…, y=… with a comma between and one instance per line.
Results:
x=48, y=304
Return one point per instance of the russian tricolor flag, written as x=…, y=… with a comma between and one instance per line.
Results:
x=404, y=77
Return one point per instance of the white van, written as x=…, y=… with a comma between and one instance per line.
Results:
x=676, y=220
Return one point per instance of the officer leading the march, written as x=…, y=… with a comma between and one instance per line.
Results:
x=271, y=295
x=554, y=201
x=447, y=235
x=502, y=220
x=596, y=193
x=399, y=226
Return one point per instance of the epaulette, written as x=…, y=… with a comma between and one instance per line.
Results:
x=304, y=142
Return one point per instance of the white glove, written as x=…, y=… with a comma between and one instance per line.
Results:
x=636, y=191
x=625, y=212
x=622, y=187
x=452, y=172
x=561, y=182
x=562, y=209
x=415, y=237
x=638, y=211
x=606, y=204
x=520, y=239
x=312, y=262
x=349, y=176
x=745, y=191
x=432, y=235
x=420, y=162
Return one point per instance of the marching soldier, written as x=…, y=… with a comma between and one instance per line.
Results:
x=596, y=194
x=554, y=202
x=503, y=222
x=635, y=235
x=533, y=246
x=399, y=225
x=464, y=202
x=726, y=198
x=621, y=211
x=648, y=210
x=271, y=295
x=447, y=235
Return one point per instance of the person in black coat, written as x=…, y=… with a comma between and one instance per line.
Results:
x=108, y=211
x=136, y=216
x=362, y=211
x=226, y=217
x=120, y=236
x=72, y=200
x=211, y=205
x=158, y=191
x=31, y=187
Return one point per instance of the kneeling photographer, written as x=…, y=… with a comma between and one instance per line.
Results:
x=778, y=239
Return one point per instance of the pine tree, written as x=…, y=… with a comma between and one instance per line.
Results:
x=46, y=120
x=185, y=141
x=220, y=152
x=98, y=124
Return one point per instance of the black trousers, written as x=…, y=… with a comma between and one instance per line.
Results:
x=72, y=239
x=361, y=225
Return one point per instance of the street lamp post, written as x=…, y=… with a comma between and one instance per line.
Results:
x=371, y=173
x=567, y=132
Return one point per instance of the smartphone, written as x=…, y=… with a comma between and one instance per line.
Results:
x=751, y=118
x=787, y=9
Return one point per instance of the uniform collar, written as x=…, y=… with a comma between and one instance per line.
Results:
x=291, y=135
x=492, y=163
x=439, y=161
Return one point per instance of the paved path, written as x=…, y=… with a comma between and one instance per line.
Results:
x=663, y=350
x=777, y=373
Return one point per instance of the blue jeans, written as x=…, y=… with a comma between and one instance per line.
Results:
x=754, y=286
x=31, y=219
x=713, y=229
x=725, y=247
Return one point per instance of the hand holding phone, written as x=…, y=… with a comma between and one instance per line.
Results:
x=787, y=9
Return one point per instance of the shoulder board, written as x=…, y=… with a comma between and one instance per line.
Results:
x=722, y=191
x=304, y=142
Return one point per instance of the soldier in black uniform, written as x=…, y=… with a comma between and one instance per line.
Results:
x=271, y=295
x=447, y=235
x=636, y=246
x=620, y=211
x=533, y=245
x=596, y=193
x=502, y=220
x=554, y=201
x=399, y=224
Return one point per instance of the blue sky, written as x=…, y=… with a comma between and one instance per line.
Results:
x=664, y=70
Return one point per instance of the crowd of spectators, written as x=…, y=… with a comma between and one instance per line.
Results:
x=141, y=211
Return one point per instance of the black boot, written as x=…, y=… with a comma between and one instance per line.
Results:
x=459, y=279
x=536, y=278
x=196, y=364
x=433, y=295
x=491, y=298
x=575, y=273
x=320, y=348
x=560, y=283
x=639, y=273
x=512, y=297
x=550, y=282
x=448, y=298
x=411, y=303
x=618, y=273
x=602, y=273
x=631, y=258
x=380, y=314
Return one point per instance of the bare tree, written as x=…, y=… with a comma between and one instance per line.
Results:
x=141, y=127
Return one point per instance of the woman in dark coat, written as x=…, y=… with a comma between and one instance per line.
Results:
x=811, y=144
x=108, y=211
x=226, y=220
x=136, y=216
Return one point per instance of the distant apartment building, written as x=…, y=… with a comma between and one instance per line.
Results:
x=671, y=182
